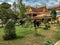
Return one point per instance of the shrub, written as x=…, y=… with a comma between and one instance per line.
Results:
x=9, y=30
x=48, y=42
x=47, y=26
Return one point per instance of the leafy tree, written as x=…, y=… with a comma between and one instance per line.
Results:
x=21, y=8
x=53, y=14
x=6, y=12
x=15, y=7
x=5, y=5
x=3, y=10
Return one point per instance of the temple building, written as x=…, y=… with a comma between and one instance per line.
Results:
x=39, y=13
x=58, y=12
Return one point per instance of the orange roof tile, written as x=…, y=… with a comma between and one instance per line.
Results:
x=38, y=9
x=41, y=15
x=58, y=8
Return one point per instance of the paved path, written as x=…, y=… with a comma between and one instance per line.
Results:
x=57, y=43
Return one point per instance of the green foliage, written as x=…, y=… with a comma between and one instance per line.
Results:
x=5, y=5
x=14, y=6
x=9, y=30
x=21, y=8
x=48, y=42
x=45, y=19
x=46, y=23
x=46, y=27
x=5, y=12
x=53, y=14
x=22, y=11
x=4, y=9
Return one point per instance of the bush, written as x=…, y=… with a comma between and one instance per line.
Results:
x=48, y=42
x=46, y=27
x=9, y=31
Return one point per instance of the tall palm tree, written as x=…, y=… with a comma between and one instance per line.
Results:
x=21, y=8
x=14, y=6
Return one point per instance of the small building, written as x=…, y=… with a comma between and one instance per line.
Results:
x=37, y=12
x=58, y=13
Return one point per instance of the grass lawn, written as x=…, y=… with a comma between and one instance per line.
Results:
x=26, y=36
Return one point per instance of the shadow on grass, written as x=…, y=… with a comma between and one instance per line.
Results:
x=17, y=37
x=20, y=37
x=1, y=26
x=39, y=35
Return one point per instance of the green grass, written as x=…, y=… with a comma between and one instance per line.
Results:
x=21, y=34
x=1, y=29
x=20, y=30
x=57, y=36
x=26, y=36
x=23, y=31
x=58, y=27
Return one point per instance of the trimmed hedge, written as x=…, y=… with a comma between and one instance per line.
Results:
x=9, y=30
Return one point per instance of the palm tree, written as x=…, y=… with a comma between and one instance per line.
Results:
x=14, y=6
x=21, y=8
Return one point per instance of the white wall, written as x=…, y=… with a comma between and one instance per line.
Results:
x=58, y=12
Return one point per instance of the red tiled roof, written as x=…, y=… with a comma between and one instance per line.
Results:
x=38, y=9
x=30, y=12
x=58, y=8
x=47, y=14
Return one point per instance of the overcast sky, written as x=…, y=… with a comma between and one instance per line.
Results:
x=48, y=3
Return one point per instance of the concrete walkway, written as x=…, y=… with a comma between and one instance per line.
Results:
x=57, y=43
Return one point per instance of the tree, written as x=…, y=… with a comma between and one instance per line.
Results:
x=3, y=10
x=6, y=12
x=5, y=5
x=14, y=7
x=46, y=23
x=53, y=14
x=21, y=8
x=9, y=31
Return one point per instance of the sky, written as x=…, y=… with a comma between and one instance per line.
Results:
x=33, y=3
x=8, y=1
